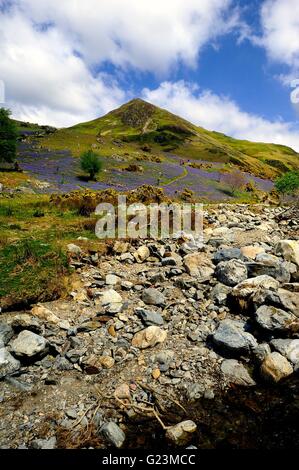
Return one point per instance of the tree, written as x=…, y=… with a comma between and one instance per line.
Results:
x=90, y=163
x=235, y=180
x=288, y=183
x=8, y=137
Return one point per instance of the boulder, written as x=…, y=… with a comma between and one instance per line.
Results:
x=231, y=337
x=231, y=272
x=219, y=293
x=235, y=372
x=6, y=333
x=280, y=298
x=149, y=337
x=280, y=272
x=289, y=250
x=152, y=296
x=111, y=297
x=289, y=348
x=226, y=254
x=112, y=280
x=28, y=345
x=199, y=265
x=181, y=433
x=275, y=367
x=276, y=320
x=8, y=364
x=251, y=251
x=112, y=432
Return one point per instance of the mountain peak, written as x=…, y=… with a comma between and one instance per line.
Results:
x=136, y=112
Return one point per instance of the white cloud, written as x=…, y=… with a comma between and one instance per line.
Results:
x=219, y=113
x=280, y=25
x=51, y=50
x=150, y=35
x=45, y=79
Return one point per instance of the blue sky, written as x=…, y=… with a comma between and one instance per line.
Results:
x=226, y=65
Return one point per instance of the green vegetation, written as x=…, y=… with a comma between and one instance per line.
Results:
x=8, y=137
x=90, y=163
x=138, y=127
x=34, y=233
x=288, y=183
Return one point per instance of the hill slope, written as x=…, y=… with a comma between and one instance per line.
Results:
x=138, y=127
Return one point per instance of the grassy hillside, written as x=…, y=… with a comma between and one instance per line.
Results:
x=139, y=127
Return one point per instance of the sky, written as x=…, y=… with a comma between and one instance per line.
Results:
x=226, y=65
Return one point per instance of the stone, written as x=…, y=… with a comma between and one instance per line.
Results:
x=276, y=320
x=236, y=373
x=275, y=367
x=289, y=250
x=142, y=254
x=44, y=314
x=152, y=296
x=251, y=251
x=126, y=285
x=232, y=337
x=6, y=333
x=107, y=362
x=156, y=373
x=122, y=392
x=268, y=259
x=112, y=432
x=149, y=337
x=112, y=280
x=181, y=433
x=74, y=249
x=46, y=444
x=219, y=293
x=280, y=298
x=8, y=364
x=28, y=345
x=277, y=272
x=226, y=254
x=120, y=247
x=231, y=272
x=150, y=318
x=261, y=351
x=111, y=297
x=289, y=348
x=199, y=265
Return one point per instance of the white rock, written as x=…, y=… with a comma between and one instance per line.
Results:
x=28, y=344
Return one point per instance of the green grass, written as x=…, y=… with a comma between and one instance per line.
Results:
x=33, y=236
x=125, y=130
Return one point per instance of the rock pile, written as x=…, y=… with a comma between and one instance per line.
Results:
x=171, y=318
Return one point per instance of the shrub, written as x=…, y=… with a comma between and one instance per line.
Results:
x=8, y=137
x=288, y=184
x=235, y=180
x=90, y=163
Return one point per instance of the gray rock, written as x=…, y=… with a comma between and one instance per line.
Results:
x=150, y=318
x=288, y=348
x=44, y=443
x=219, y=293
x=152, y=296
x=231, y=272
x=226, y=254
x=74, y=249
x=276, y=320
x=236, y=373
x=280, y=298
x=112, y=432
x=28, y=344
x=8, y=364
x=6, y=333
x=261, y=351
x=232, y=337
x=277, y=272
